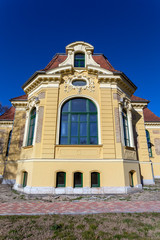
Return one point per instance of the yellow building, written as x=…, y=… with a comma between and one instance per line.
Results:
x=79, y=130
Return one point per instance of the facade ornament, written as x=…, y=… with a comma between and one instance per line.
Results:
x=81, y=76
x=33, y=102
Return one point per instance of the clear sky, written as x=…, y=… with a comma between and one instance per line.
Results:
x=127, y=32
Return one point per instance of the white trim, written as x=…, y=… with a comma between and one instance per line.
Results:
x=43, y=85
x=71, y=190
x=76, y=160
x=59, y=115
x=41, y=76
x=138, y=109
x=26, y=131
x=152, y=127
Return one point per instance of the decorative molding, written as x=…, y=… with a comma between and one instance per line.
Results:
x=76, y=47
x=83, y=75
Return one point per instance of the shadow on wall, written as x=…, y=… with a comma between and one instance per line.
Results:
x=135, y=119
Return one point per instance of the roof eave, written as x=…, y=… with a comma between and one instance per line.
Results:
x=123, y=75
x=30, y=79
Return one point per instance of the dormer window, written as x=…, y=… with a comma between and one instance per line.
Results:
x=79, y=60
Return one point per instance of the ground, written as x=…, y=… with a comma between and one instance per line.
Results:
x=114, y=225
x=149, y=193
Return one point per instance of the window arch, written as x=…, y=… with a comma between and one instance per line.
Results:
x=78, y=122
x=95, y=179
x=78, y=179
x=31, y=127
x=149, y=143
x=79, y=60
x=61, y=179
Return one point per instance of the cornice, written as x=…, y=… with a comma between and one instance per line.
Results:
x=19, y=104
x=42, y=79
x=6, y=123
x=139, y=105
x=152, y=123
x=118, y=80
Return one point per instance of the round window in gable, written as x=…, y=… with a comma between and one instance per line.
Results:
x=79, y=83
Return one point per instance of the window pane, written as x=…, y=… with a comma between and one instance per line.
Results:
x=78, y=179
x=65, y=107
x=83, y=140
x=92, y=107
x=78, y=105
x=93, y=140
x=83, y=117
x=83, y=129
x=61, y=179
x=79, y=56
x=94, y=178
x=93, y=129
x=63, y=140
x=82, y=64
x=93, y=117
x=74, y=140
x=74, y=117
x=79, y=83
x=74, y=129
x=64, y=117
x=64, y=129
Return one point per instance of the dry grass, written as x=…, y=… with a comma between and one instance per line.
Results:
x=97, y=226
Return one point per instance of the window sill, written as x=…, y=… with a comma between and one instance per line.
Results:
x=129, y=148
x=78, y=145
x=26, y=147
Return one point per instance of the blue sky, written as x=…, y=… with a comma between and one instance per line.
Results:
x=126, y=32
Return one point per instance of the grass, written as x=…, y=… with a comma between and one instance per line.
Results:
x=92, y=227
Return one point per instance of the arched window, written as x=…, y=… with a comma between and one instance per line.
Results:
x=125, y=128
x=61, y=179
x=79, y=60
x=9, y=142
x=25, y=175
x=149, y=143
x=79, y=122
x=31, y=127
x=78, y=179
x=131, y=178
x=95, y=179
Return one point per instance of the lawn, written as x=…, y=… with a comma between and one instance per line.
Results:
x=96, y=226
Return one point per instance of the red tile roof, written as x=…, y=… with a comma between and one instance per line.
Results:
x=149, y=116
x=138, y=99
x=8, y=115
x=23, y=97
x=100, y=59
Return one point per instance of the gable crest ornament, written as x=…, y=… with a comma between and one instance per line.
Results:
x=81, y=77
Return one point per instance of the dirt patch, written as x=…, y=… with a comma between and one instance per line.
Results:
x=148, y=193
x=96, y=226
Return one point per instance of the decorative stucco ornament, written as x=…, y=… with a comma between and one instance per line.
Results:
x=33, y=102
x=83, y=76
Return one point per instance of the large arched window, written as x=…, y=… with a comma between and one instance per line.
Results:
x=31, y=127
x=79, y=122
x=79, y=60
x=149, y=143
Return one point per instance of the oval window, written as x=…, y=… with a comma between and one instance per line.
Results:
x=79, y=83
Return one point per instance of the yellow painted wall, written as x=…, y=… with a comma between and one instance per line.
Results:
x=4, y=135
x=43, y=174
x=155, y=143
